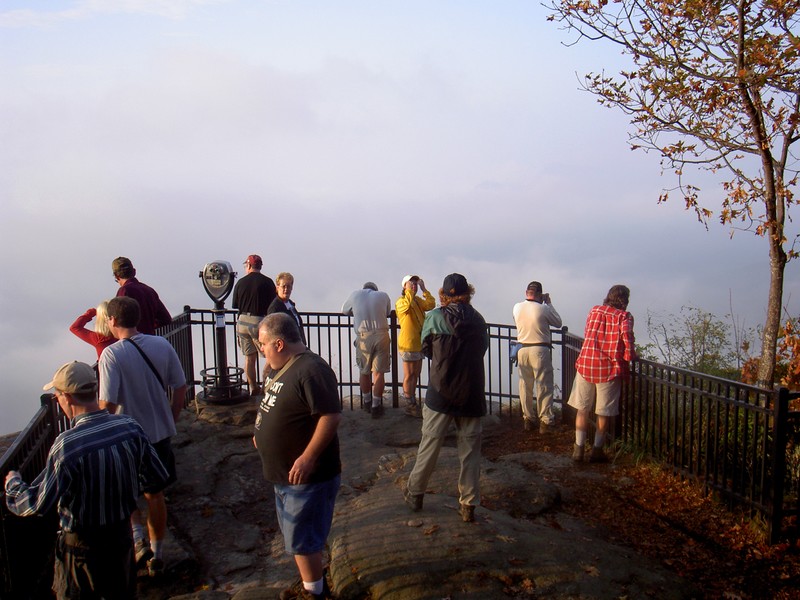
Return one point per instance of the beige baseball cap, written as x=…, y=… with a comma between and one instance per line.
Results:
x=73, y=377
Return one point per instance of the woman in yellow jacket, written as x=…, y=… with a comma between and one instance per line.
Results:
x=410, y=310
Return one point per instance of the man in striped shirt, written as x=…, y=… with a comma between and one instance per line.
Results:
x=93, y=475
x=608, y=347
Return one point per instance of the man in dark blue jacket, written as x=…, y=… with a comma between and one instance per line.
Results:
x=455, y=338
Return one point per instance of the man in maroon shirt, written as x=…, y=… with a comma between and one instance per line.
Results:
x=608, y=347
x=153, y=312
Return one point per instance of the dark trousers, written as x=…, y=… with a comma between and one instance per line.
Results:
x=96, y=563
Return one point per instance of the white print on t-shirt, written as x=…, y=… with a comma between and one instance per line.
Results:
x=271, y=391
x=274, y=387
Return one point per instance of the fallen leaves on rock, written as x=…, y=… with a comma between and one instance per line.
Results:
x=643, y=506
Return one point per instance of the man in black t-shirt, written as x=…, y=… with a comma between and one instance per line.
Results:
x=296, y=437
x=252, y=296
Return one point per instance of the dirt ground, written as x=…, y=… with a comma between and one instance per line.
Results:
x=643, y=506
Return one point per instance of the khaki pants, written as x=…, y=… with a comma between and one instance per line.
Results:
x=434, y=430
x=536, y=367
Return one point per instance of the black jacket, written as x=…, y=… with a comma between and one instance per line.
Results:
x=455, y=338
x=279, y=305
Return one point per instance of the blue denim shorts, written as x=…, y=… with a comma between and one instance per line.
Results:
x=305, y=513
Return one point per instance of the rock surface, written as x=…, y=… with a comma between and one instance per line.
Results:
x=225, y=542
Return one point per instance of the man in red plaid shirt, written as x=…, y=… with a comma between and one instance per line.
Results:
x=608, y=347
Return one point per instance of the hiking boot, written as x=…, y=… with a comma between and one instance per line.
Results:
x=545, y=428
x=377, y=411
x=467, y=513
x=598, y=456
x=413, y=501
x=366, y=407
x=527, y=424
x=256, y=391
x=143, y=553
x=577, y=453
x=155, y=567
x=414, y=410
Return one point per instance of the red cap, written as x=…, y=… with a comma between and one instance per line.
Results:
x=254, y=260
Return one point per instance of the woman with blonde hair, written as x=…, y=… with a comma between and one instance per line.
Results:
x=284, y=284
x=101, y=337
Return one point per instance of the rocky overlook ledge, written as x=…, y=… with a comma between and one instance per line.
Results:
x=224, y=541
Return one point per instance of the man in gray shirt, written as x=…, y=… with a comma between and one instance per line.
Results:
x=369, y=309
x=141, y=376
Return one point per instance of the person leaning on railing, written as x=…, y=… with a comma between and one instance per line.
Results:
x=370, y=309
x=608, y=348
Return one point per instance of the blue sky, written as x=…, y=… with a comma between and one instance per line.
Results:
x=342, y=141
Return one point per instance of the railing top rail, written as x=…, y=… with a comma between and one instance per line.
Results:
x=704, y=376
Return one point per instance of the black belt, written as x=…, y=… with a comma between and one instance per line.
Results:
x=246, y=314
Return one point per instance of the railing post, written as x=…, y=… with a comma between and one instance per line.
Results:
x=779, y=419
x=393, y=343
x=567, y=377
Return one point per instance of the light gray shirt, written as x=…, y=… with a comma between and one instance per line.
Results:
x=369, y=309
x=127, y=380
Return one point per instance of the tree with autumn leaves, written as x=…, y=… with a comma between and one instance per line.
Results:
x=713, y=84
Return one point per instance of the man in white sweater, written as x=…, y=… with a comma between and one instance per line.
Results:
x=534, y=317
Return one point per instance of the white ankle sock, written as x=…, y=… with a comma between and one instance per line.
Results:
x=315, y=587
x=155, y=546
x=138, y=532
x=580, y=437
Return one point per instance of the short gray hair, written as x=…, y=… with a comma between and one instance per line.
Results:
x=280, y=326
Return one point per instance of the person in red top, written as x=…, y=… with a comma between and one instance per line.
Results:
x=101, y=336
x=608, y=347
